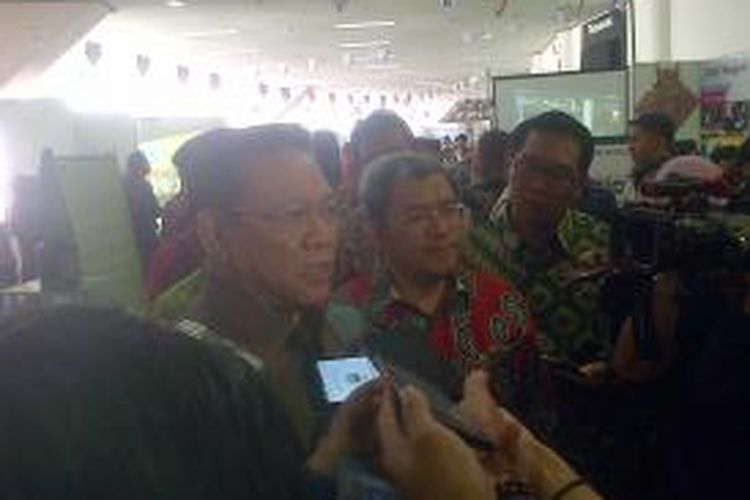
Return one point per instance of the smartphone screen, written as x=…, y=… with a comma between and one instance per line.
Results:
x=343, y=376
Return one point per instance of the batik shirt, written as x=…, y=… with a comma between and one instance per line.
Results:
x=564, y=308
x=480, y=316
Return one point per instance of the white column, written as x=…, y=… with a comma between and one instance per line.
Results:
x=706, y=29
x=653, y=30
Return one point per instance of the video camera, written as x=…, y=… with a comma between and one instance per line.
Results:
x=684, y=234
x=708, y=248
x=653, y=240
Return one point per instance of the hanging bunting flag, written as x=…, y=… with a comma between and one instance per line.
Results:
x=332, y=97
x=383, y=100
x=447, y=4
x=367, y=98
x=214, y=81
x=311, y=94
x=500, y=7
x=263, y=89
x=286, y=93
x=142, y=64
x=340, y=5
x=93, y=52
x=183, y=73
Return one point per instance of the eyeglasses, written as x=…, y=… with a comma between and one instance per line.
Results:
x=451, y=213
x=296, y=218
x=559, y=173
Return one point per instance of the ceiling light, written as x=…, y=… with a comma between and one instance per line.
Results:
x=365, y=25
x=175, y=4
x=364, y=45
x=381, y=67
x=211, y=33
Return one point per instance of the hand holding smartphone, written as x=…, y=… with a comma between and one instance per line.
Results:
x=342, y=376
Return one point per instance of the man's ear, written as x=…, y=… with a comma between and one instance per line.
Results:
x=210, y=234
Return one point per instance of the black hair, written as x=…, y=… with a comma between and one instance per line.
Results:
x=136, y=161
x=493, y=148
x=743, y=155
x=376, y=186
x=214, y=170
x=725, y=155
x=97, y=404
x=372, y=126
x=328, y=156
x=657, y=124
x=200, y=149
x=559, y=123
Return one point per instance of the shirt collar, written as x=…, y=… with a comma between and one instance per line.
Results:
x=252, y=318
x=563, y=233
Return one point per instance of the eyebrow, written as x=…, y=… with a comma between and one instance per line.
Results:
x=418, y=206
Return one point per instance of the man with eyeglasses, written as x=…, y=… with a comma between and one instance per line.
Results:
x=267, y=223
x=420, y=309
x=540, y=242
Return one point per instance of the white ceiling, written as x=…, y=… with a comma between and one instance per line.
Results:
x=428, y=46
x=34, y=34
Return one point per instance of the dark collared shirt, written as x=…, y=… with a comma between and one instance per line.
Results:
x=286, y=343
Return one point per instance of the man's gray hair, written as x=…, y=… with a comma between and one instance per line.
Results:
x=380, y=177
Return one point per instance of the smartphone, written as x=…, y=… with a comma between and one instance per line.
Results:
x=342, y=376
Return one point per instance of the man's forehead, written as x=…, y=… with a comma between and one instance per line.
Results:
x=282, y=178
x=552, y=146
x=417, y=191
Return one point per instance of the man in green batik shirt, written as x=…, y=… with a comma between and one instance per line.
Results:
x=543, y=245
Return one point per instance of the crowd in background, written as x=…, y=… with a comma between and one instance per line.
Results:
x=474, y=266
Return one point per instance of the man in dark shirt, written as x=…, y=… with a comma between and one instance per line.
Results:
x=144, y=208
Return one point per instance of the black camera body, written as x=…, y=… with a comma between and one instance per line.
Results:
x=653, y=240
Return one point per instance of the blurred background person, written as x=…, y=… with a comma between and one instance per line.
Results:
x=144, y=208
x=489, y=173
x=651, y=144
x=328, y=156
x=381, y=133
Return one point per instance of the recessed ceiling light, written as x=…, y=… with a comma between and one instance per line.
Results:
x=364, y=45
x=365, y=25
x=175, y=4
x=211, y=33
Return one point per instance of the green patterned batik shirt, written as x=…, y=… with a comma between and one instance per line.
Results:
x=565, y=309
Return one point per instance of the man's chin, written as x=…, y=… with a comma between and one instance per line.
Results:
x=316, y=297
